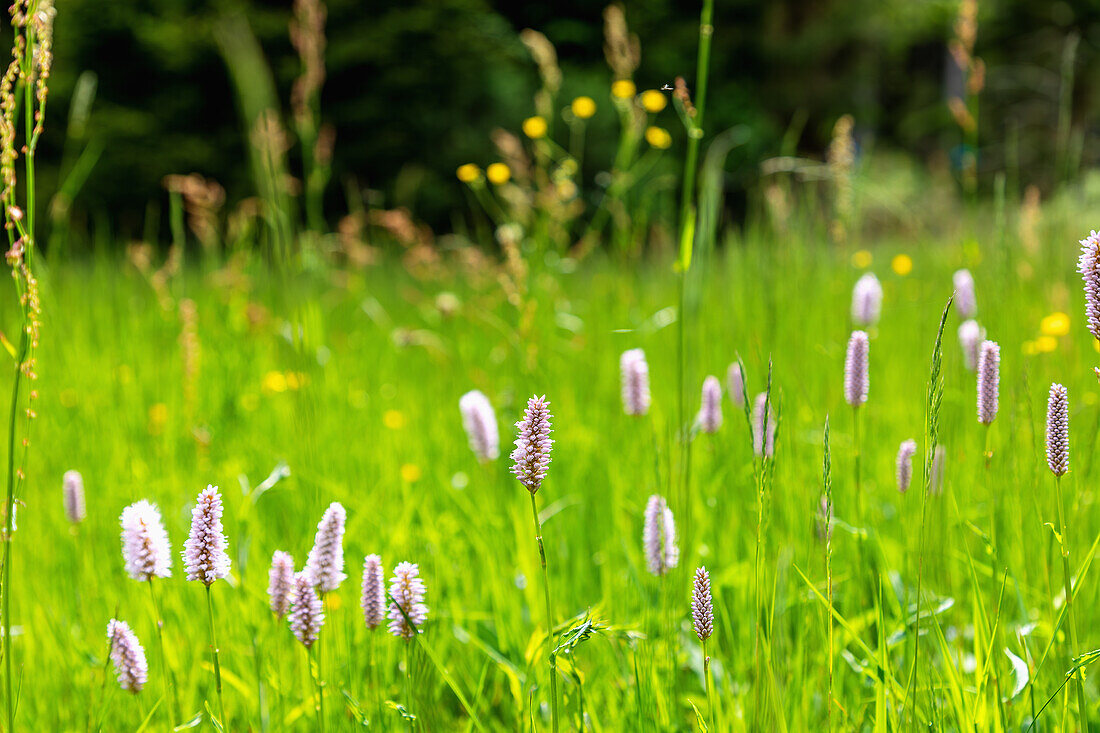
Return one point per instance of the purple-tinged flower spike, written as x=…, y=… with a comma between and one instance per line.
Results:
x=73, y=486
x=374, y=591
x=659, y=537
x=480, y=423
x=763, y=436
x=325, y=565
x=935, y=484
x=407, y=591
x=906, y=452
x=735, y=384
x=989, y=380
x=531, y=456
x=128, y=656
x=635, y=382
x=702, y=607
x=971, y=336
x=965, y=301
x=867, y=301
x=709, y=418
x=856, y=380
x=280, y=582
x=204, y=553
x=145, y=545
x=1058, y=430
x=1089, y=267
x=307, y=615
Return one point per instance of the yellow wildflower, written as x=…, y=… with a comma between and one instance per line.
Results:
x=583, y=107
x=274, y=382
x=653, y=100
x=658, y=137
x=623, y=89
x=1046, y=344
x=468, y=173
x=902, y=264
x=534, y=127
x=861, y=258
x=394, y=419
x=1056, y=324
x=410, y=473
x=498, y=173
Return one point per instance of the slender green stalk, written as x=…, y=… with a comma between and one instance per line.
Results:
x=409, y=685
x=214, y=654
x=315, y=673
x=1067, y=580
x=9, y=529
x=549, y=618
x=169, y=688
x=712, y=699
x=858, y=456
x=702, y=69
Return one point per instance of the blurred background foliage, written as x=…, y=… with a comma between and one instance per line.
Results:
x=415, y=89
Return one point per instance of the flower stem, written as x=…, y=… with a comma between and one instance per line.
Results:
x=549, y=619
x=9, y=529
x=217, y=664
x=315, y=673
x=169, y=688
x=712, y=699
x=408, y=685
x=1068, y=581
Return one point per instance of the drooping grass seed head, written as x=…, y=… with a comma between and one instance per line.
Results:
x=1089, y=267
x=307, y=614
x=480, y=422
x=965, y=300
x=856, y=378
x=145, y=547
x=635, y=382
x=989, y=380
x=374, y=591
x=280, y=582
x=205, y=555
x=763, y=436
x=1058, y=430
x=531, y=456
x=867, y=301
x=407, y=612
x=971, y=336
x=325, y=564
x=904, y=470
x=73, y=489
x=659, y=536
x=702, y=606
x=709, y=418
x=735, y=384
x=128, y=656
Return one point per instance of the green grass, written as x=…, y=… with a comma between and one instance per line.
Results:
x=374, y=424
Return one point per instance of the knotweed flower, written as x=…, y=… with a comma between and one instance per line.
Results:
x=325, y=565
x=128, y=656
x=702, y=607
x=407, y=593
x=280, y=582
x=307, y=615
x=73, y=484
x=905, y=464
x=635, y=382
x=204, y=553
x=965, y=301
x=1058, y=430
x=659, y=536
x=480, y=423
x=971, y=336
x=531, y=456
x=989, y=379
x=145, y=545
x=856, y=380
x=866, y=301
x=935, y=484
x=374, y=591
x=709, y=418
x=1089, y=267
x=735, y=383
x=763, y=436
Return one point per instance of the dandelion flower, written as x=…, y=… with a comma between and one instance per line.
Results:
x=735, y=384
x=280, y=582
x=856, y=379
x=867, y=301
x=407, y=591
x=325, y=565
x=1058, y=430
x=709, y=418
x=971, y=336
x=905, y=464
x=531, y=456
x=373, y=599
x=702, y=607
x=902, y=264
x=145, y=545
x=480, y=423
x=965, y=300
x=128, y=656
x=307, y=615
x=204, y=553
x=659, y=536
x=763, y=436
x=635, y=382
x=1089, y=267
x=73, y=486
x=989, y=379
